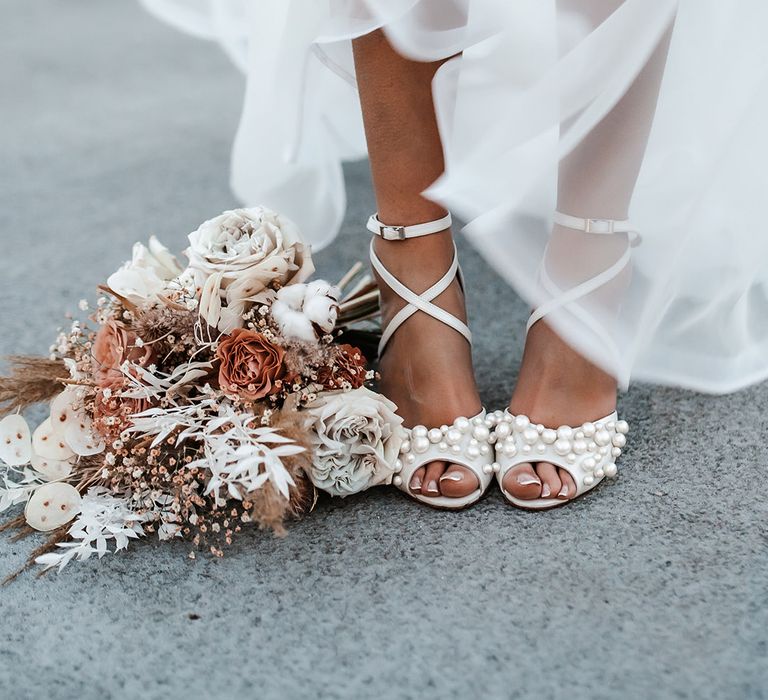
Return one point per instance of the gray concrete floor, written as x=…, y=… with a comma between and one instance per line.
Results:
x=112, y=127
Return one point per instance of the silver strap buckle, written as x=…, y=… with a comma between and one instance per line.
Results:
x=599, y=225
x=396, y=232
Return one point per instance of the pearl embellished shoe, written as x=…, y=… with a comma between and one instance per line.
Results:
x=466, y=441
x=587, y=452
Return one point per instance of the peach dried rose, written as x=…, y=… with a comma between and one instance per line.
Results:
x=251, y=366
x=113, y=345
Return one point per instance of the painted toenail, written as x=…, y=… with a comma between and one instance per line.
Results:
x=563, y=492
x=432, y=487
x=416, y=484
x=546, y=492
x=452, y=476
x=527, y=479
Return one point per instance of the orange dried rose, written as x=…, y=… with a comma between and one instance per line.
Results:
x=113, y=345
x=348, y=367
x=251, y=366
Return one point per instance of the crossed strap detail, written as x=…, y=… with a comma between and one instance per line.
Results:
x=417, y=302
x=575, y=293
x=564, y=298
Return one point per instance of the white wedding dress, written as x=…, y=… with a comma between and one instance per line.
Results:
x=530, y=84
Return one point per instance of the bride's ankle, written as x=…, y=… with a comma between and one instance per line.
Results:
x=558, y=385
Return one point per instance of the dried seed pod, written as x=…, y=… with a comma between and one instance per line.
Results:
x=15, y=441
x=51, y=506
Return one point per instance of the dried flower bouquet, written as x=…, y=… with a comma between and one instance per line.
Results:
x=201, y=399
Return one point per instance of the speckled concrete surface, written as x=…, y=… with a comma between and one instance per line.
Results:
x=112, y=127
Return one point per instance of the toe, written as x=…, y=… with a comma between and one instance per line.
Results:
x=568, y=485
x=417, y=480
x=458, y=481
x=522, y=482
x=431, y=485
x=551, y=485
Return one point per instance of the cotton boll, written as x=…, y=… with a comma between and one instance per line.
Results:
x=322, y=288
x=15, y=441
x=51, y=506
x=299, y=309
x=322, y=311
x=293, y=295
x=293, y=324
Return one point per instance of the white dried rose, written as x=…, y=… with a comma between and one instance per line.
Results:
x=237, y=255
x=301, y=310
x=146, y=274
x=356, y=439
x=52, y=505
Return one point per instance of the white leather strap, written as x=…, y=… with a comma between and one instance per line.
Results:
x=579, y=291
x=419, y=302
x=399, y=233
x=592, y=225
x=596, y=226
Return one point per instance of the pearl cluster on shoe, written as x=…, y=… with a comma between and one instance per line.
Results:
x=591, y=448
x=467, y=440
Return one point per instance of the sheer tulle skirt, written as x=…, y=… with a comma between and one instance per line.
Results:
x=530, y=84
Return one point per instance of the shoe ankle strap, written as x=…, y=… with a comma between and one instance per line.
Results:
x=598, y=226
x=399, y=233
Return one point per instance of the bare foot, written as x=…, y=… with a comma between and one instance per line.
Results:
x=426, y=368
x=556, y=386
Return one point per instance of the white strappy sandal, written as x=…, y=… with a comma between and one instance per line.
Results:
x=587, y=452
x=466, y=442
